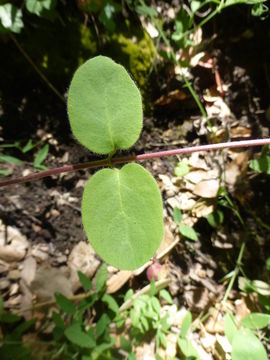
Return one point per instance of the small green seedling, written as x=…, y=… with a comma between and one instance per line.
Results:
x=245, y=344
x=121, y=208
x=185, y=345
x=185, y=230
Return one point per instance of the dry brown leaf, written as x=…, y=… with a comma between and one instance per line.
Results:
x=207, y=188
x=202, y=208
x=240, y=132
x=172, y=97
x=215, y=323
x=118, y=280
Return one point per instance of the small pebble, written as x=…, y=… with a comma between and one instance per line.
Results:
x=14, y=288
x=4, y=284
x=61, y=259
x=14, y=275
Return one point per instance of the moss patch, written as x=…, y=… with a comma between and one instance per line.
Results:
x=132, y=47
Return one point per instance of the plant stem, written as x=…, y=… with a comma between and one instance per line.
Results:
x=235, y=272
x=130, y=158
x=187, y=82
x=40, y=73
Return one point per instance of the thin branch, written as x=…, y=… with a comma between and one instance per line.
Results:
x=130, y=158
x=39, y=72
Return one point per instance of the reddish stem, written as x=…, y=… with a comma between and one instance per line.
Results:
x=125, y=159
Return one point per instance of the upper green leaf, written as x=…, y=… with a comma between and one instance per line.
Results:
x=10, y=18
x=39, y=6
x=122, y=215
x=104, y=106
x=256, y=321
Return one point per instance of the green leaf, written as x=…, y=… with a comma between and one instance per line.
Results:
x=112, y=304
x=261, y=165
x=9, y=318
x=195, y=5
x=10, y=18
x=267, y=264
x=78, y=337
x=65, y=304
x=265, y=301
x=122, y=215
x=256, y=321
x=162, y=339
x=29, y=146
x=155, y=305
x=146, y=11
x=188, y=349
x=182, y=168
x=216, y=218
x=38, y=7
x=101, y=278
x=128, y=295
x=104, y=106
x=125, y=344
x=230, y=327
x=246, y=346
x=259, y=9
x=257, y=286
x=85, y=281
x=102, y=324
x=57, y=319
x=41, y=156
x=165, y=295
x=186, y=323
x=188, y=232
x=153, y=288
x=22, y=328
x=107, y=14
x=10, y=159
x=177, y=215
x=4, y=172
x=14, y=145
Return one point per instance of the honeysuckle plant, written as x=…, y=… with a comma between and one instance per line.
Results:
x=122, y=211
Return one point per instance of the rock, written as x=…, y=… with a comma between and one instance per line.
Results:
x=49, y=281
x=82, y=258
x=13, y=301
x=16, y=246
x=4, y=267
x=14, y=288
x=61, y=259
x=29, y=270
x=14, y=275
x=4, y=284
x=40, y=252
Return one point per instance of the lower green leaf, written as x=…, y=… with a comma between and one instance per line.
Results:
x=246, y=346
x=78, y=337
x=188, y=232
x=122, y=215
x=188, y=349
